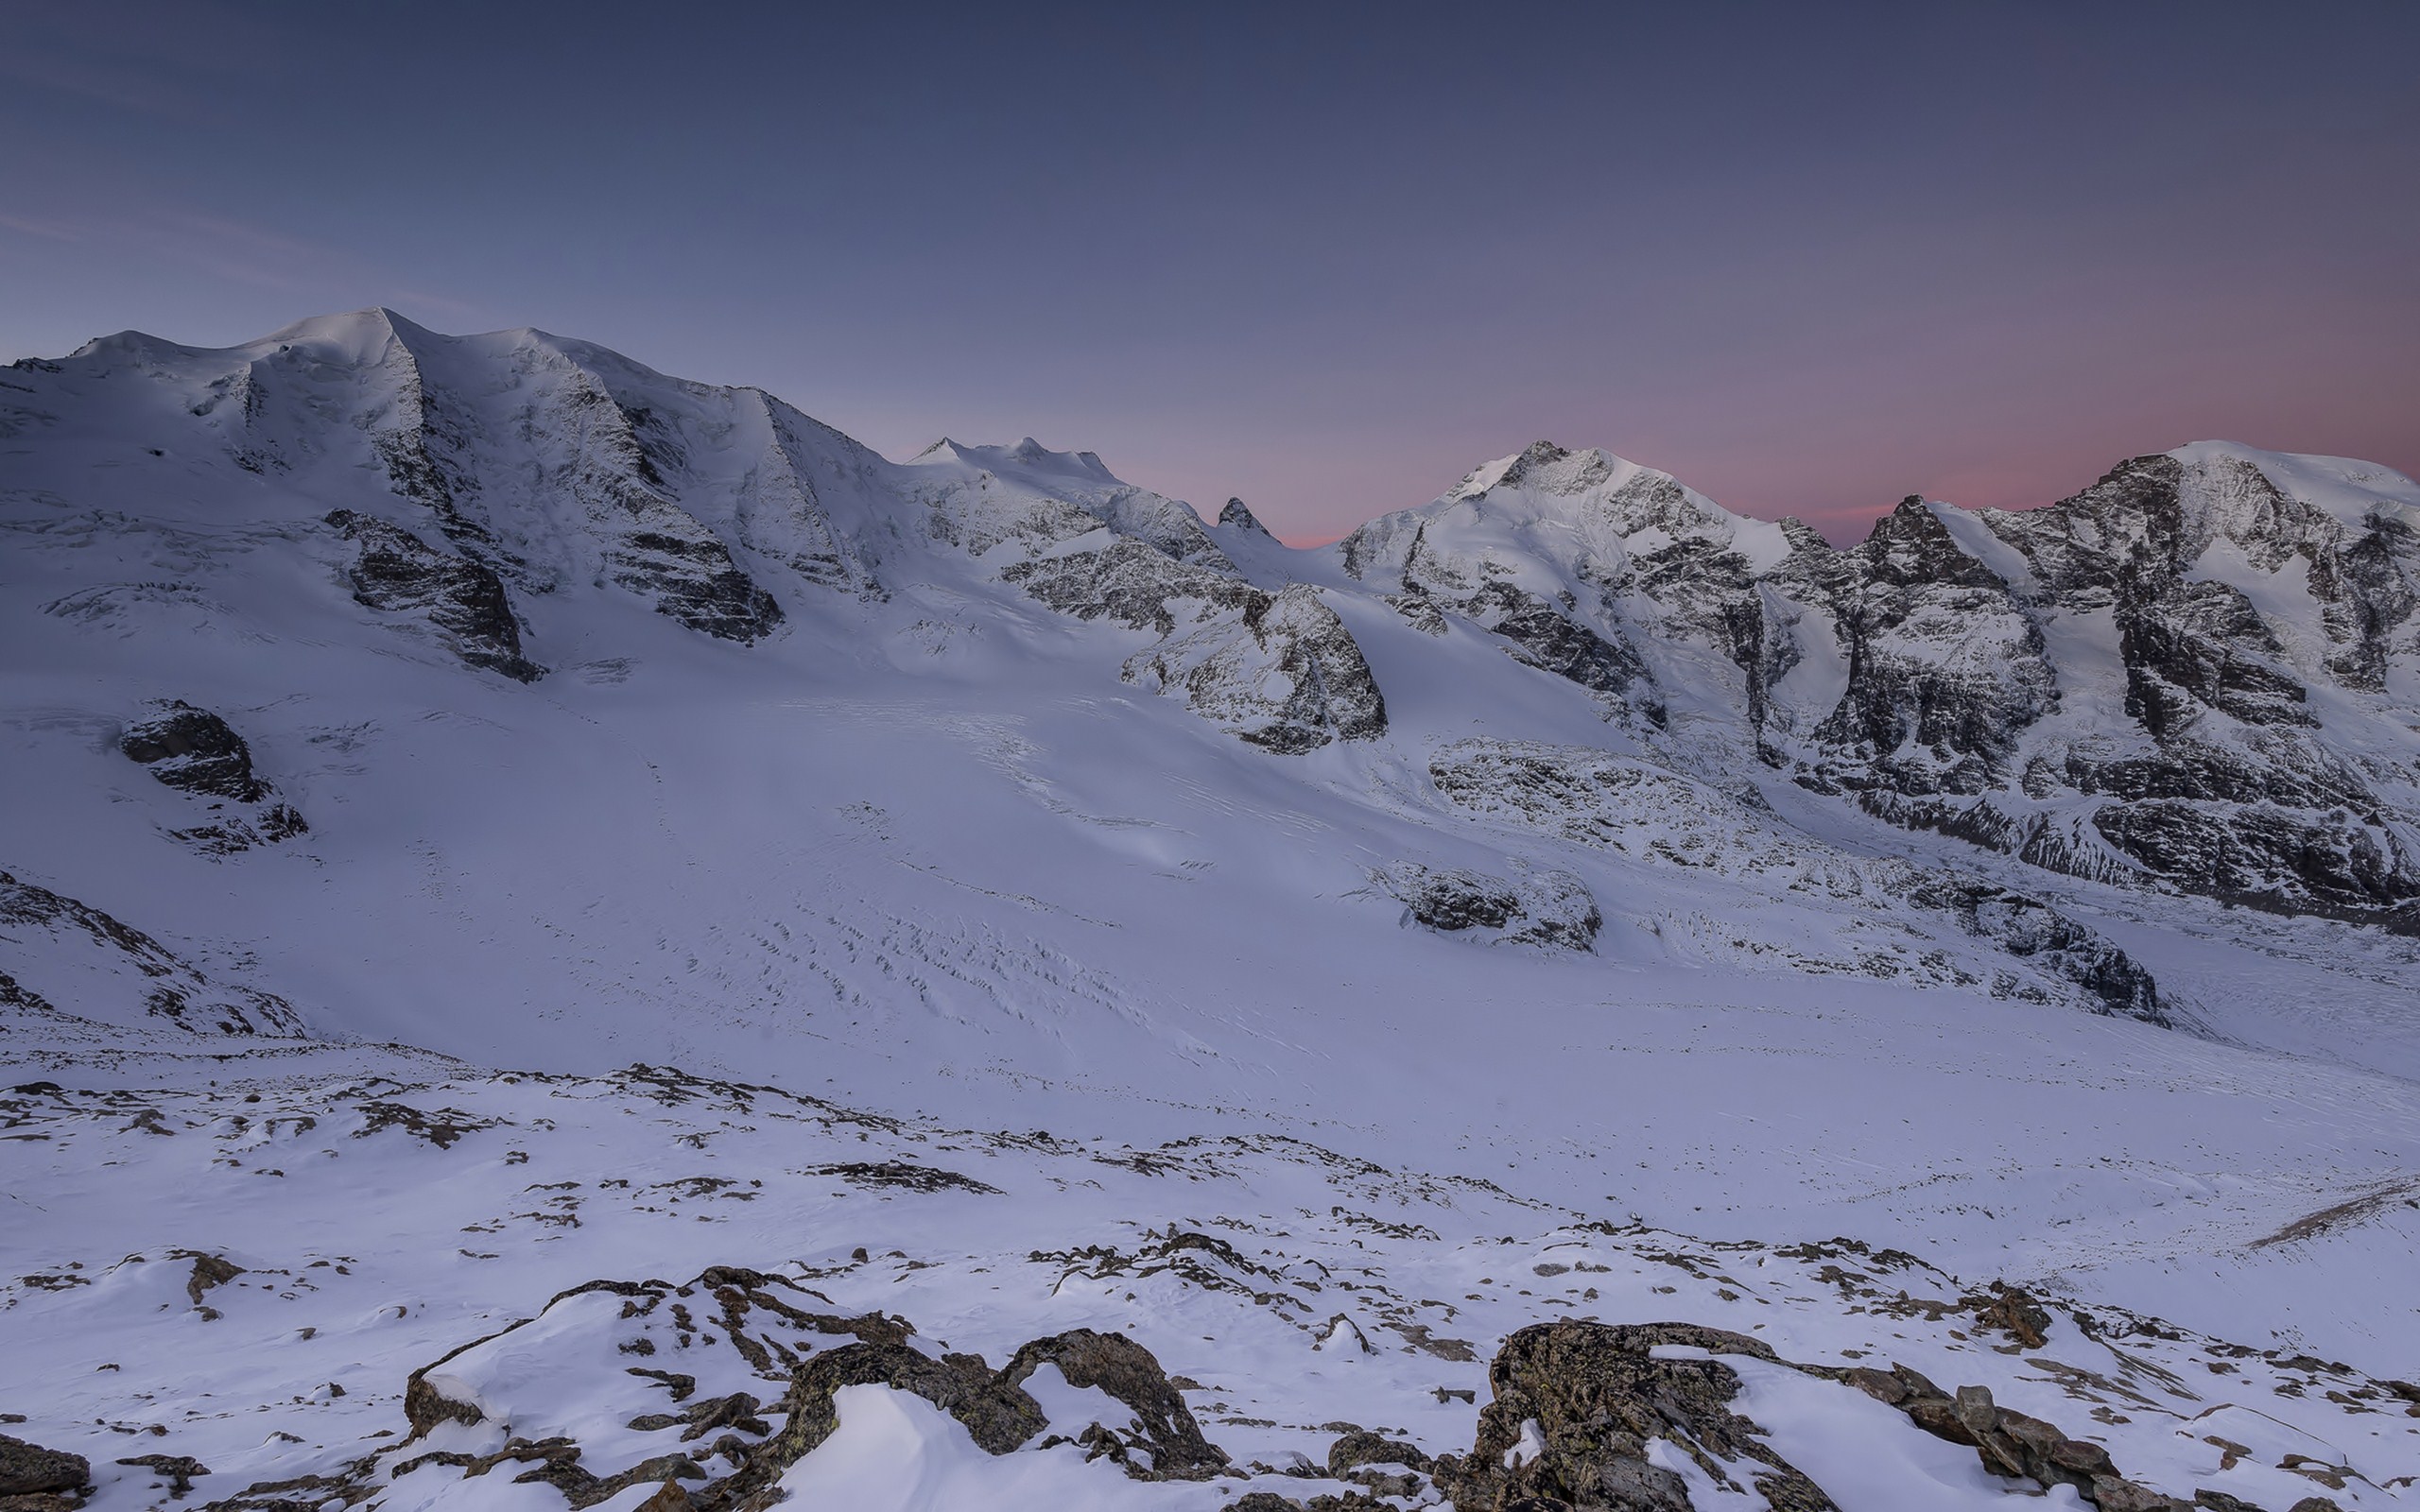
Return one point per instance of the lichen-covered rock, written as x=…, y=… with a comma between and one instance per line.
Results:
x=30, y=1469
x=398, y=572
x=1171, y=1441
x=1576, y=1404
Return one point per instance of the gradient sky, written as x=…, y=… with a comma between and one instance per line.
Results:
x=1809, y=258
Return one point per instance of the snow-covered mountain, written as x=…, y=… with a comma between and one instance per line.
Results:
x=396, y=720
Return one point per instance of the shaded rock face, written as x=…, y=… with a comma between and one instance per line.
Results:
x=466, y=602
x=1665, y=818
x=1541, y=907
x=1283, y=675
x=1576, y=1405
x=1280, y=670
x=195, y=751
x=2197, y=674
x=1546, y=638
x=2235, y=794
x=1234, y=516
x=2034, y=931
x=1131, y=583
x=1944, y=671
x=637, y=535
x=1173, y=1447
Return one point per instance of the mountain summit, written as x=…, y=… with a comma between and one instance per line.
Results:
x=1086, y=993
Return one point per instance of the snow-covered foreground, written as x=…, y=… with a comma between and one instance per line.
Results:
x=369, y=1227
x=1047, y=911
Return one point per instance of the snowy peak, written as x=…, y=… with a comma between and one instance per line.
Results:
x=2202, y=672
x=1029, y=458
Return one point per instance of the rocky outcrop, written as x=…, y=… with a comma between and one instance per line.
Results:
x=1543, y=637
x=1280, y=670
x=1663, y=818
x=2032, y=931
x=68, y=963
x=2184, y=677
x=1946, y=672
x=1164, y=1443
x=1234, y=516
x=1540, y=906
x=1133, y=583
x=2015, y=1446
x=1283, y=673
x=1575, y=1406
x=195, y=751
x=31, y=1470
x=734, y=1450
x=396, y=572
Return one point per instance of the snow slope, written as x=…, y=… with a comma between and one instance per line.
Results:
x=1565, y=852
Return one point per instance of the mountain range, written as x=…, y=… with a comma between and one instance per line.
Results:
x=407, y=732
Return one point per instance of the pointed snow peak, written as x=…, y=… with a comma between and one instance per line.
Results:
x=354, y=336
x=1028, y=457
x=1533, y=455
x=1236, y=516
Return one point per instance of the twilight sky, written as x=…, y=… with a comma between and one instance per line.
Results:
x=1809, y=258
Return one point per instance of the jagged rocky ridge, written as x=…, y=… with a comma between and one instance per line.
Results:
x=2201, y=673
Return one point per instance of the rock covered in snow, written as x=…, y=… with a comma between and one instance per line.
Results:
x=1541, y=907
x=71, y=966
x=1281, y=672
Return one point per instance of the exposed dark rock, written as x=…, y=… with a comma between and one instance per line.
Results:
x=2201, y=645
x=1361, y=1446
x=2048, y=940
x=195, y=751
x=1575, y=1406
x=466, y=601
x=177, y=1470
x=209, y=1271
x=1284, y=673
x=1546, y=638
x=996, y=1412
x=47, y=929
x=693, y=579
x=1540, y=907
x=1130, y=1375
x=28, y=1470
x=901, y=1173
x=2012, y=1311
x=1131, y=583
x=1944, y=669
x=1236, y=517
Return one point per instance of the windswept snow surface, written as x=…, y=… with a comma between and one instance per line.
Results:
x=820, y=797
